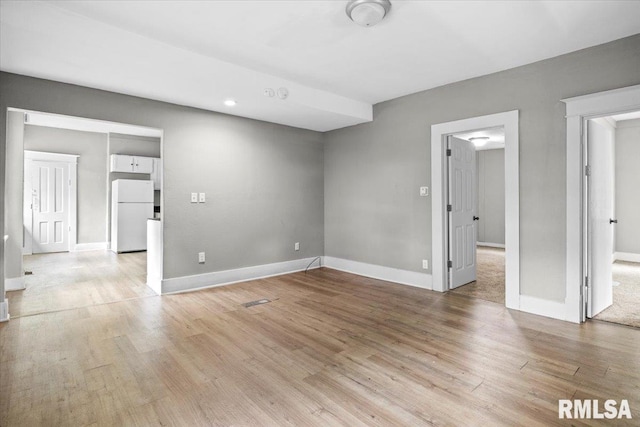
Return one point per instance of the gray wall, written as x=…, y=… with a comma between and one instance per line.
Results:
x=627, y=183
x=373, y=212
x=491, y=195
x=264, y=182
x=92, y=173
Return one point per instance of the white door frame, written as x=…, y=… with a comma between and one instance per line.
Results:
x=509, y=120
x=72, y=161
x=579, y=110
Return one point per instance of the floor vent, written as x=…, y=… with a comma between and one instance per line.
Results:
x=257, y=302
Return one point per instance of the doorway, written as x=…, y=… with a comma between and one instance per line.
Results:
x=60, y=176
x=50, y=183
x=578, y=111
x=487, y=220
x=440, y=238
x=611, y=216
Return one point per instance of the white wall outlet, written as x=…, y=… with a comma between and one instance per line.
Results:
x=201, y=257
x=194, y=197
x=425, y=264
x=296, y=246
x=202, y=198
x=424, y=191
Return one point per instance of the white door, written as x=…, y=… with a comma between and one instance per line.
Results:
x=462, y=213
x=600, y=225
x=50, y=198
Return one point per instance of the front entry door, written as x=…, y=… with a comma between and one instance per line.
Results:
x=600, y=222
x=50, y=205
x=462, y=211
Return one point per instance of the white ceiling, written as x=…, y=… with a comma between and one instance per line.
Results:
x=495, y=135
x=199, y=53
x=626, y=116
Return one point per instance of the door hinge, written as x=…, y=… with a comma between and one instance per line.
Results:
x=449, y=264
x=587, y=170
x=449, y=208
x=448, y=152
x=586, y=290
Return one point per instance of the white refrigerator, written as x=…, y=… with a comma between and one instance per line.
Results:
x=131, y=206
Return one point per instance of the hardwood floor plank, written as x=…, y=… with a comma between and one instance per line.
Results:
x=330, y=349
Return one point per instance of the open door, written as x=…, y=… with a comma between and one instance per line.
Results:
x=462, y=212
x=600, y=218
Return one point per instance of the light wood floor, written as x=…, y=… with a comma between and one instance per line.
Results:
x=65, y=280
x=331, y=349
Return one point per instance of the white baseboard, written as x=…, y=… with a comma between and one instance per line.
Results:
x=4, y=310
x=626, y=256
x=96, y=246
x=227, y=277
x=491, y=245
x=14, y=284
x=404, y=277
x=543, y=307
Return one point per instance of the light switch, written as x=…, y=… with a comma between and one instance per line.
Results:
x=194, y=197
x=202, y=198
x=424, y=191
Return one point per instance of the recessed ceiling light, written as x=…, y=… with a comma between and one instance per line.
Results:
x=368, y=12
x=230, y=102
x=479, y=141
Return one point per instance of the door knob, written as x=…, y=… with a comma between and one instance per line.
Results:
x=475, y=218
x=613, y=221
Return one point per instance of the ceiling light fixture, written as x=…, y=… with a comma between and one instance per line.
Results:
x=479, y=141
x=230, y=102
x=368, y=12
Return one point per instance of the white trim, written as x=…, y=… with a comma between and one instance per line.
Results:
x=4, y=311
x=509, y=120
x=95, y=246
x=228, y=277
x=14, y=284
x=72, y=161
x=542, y=307
x=491, y=245
x=578, y=110
x=404, y=277
x=51, y=157
x=626, y=256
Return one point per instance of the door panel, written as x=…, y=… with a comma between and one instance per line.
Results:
x=600, y=140
x=50, y=184
x=462, y=227
x=143, y=165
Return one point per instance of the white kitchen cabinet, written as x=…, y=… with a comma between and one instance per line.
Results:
x=156, y=175
x=131, y=164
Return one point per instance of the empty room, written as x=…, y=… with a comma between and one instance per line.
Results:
x=313, y=213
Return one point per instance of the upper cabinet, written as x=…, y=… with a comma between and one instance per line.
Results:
x=131, y=164
x=156, y=175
